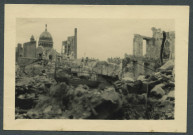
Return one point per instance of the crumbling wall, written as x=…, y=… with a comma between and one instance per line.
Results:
x=69, y=47
x=92, y=67
x=138, y=45
x=150, y=48
x=171, y=39
x=157, y=38
x=157, y=41
x=138, y=68
x=30, y=49
x=19, y=51
x=153, y=44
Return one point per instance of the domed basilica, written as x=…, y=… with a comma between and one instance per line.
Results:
x=43, y=51
x=45, y=46
x=45, y=39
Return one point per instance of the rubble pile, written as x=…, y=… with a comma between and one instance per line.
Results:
x=37, y=67
x=28, y=91
x=97, y=67
x=148, y=97
x=109, y=69
x=67, y=102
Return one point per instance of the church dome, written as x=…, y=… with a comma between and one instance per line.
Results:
x=45, y=39
x=46, y=36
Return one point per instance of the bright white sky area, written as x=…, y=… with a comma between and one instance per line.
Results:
x=97, y=38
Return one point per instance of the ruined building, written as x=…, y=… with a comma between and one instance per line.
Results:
x=45, y=46
x=19, y=51
x=43, y=51
x=69, y=47
x=145, y=64
x=45, y=40
x=27, y=51
x=153, y=44
x=30, y=48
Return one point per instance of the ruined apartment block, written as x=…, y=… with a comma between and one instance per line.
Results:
x=69, y=47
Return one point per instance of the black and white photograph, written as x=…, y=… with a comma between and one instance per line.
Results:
x=107, y=69
x=95, y=68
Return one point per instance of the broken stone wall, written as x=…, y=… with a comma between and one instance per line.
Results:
x=157, y=41
x=140, y=67
x=147, y=65
x=171, y=39
x=138, y=45
x=30, y=49
x=153, y=48
x=153, y=44
x=19, y=51
x=69, y=47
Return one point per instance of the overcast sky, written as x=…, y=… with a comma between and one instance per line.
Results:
x=98, y=38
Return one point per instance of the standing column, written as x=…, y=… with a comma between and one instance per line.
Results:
x=137, y=45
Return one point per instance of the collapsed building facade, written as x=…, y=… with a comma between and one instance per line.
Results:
x=69, y=47
x=153, y=44
x=145, y=64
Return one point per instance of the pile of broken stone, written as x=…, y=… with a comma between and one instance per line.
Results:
x=149, y=97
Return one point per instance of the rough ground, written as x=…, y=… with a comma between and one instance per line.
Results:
x=39, y=96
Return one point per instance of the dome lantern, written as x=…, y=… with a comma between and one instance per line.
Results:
x=46, y=28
